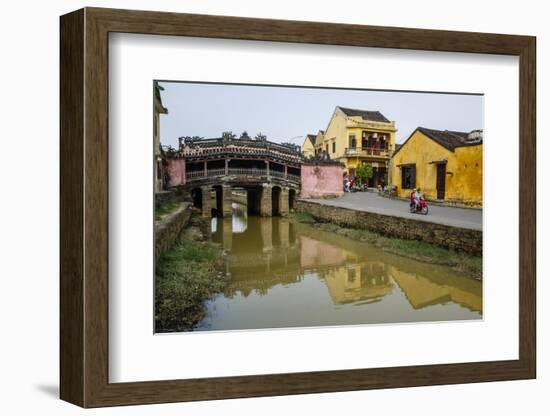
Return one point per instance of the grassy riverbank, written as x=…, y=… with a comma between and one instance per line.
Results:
x=186, y=276
x=165, y=209
x=418, y=250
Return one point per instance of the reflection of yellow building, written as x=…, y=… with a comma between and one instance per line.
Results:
x=368, y=281
x=357, y=137
x=446, y=165
x=421, y=291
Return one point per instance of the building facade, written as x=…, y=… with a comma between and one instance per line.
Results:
x=308, y=146
x=445, y=165
x=354, y=137
x=158, y=109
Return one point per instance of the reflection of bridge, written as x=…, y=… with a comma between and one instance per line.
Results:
x=269, y=172
x=275, y=251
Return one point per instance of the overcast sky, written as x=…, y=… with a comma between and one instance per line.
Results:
x=282, y=113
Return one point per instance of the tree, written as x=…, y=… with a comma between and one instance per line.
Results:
x=363, y=172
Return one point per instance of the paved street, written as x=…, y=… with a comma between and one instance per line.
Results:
x=372, y=202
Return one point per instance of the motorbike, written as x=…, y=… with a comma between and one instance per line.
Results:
x=421, y=208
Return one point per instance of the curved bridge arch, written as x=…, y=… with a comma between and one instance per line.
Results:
x=269, y=172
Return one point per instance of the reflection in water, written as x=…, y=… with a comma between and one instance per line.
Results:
x=287, y=275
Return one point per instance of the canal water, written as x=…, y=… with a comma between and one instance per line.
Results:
x=284, y=274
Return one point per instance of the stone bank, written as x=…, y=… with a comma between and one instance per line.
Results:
x=168, y=229
x=456, y=238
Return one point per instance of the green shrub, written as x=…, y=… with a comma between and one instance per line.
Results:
x=186, y=276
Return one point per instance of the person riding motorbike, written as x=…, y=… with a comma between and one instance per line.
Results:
x=417, y=196
x=411, y=198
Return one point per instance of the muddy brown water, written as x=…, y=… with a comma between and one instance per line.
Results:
x=284, y=274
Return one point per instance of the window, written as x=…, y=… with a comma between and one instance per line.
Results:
x=333, y=147
x=408, y=176
x=327, y=148
x=351, y=275
x=352, y=141
x=382, y=144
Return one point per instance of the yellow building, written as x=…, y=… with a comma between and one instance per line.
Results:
x=308, y=147
x=445, y=165
x=356, y=137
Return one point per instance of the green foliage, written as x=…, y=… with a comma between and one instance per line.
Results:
x=364, y=172
x=302, y=217
x=186, y=276
x=165, y=209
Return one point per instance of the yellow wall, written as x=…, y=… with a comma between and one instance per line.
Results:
x=307, y=147
x=467, y=178
x=335, y=132
x=463, y=181
x=319, y=141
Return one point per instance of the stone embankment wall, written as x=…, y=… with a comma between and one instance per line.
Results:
x=461, y=239
x=322, y=180
x=169, y=228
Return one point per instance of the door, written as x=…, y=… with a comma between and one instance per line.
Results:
x=440, y=182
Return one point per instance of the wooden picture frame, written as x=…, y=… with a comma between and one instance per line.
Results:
x=84, y=207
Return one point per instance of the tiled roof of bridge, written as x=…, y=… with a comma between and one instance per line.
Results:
x=216, y=147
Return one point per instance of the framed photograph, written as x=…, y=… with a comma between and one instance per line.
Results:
x=254, y=207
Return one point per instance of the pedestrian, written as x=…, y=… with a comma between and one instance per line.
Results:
x=166, y=180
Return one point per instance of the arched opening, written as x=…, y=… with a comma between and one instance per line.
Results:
x=275, y=201
x=253, y=201
x=291, y=198
x=196, y=196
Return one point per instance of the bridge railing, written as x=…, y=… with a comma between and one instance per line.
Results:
x=211, y=173
x=277, y=174
x=247, y=172
x=196, y=174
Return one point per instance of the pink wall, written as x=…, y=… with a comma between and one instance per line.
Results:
x=176, y=170
x=321, y=181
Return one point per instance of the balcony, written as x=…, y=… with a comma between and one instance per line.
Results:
x=367, y=151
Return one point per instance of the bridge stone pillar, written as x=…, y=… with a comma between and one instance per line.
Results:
x=284, y=231
x=206, y=201
x=226, y=195
x=266, y=231
x=283, y=202
x=266, y=209
x=227, y=233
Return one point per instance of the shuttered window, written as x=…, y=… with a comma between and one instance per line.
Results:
x=408, y=176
